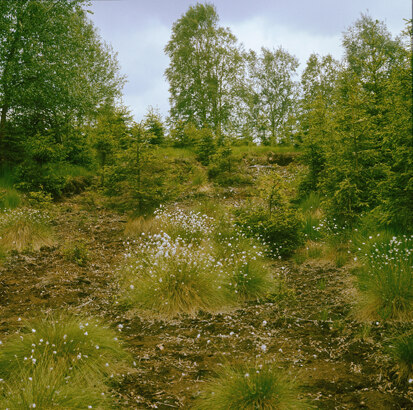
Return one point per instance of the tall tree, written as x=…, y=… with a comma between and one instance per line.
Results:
x=205, y=63
x=318, y=84
x=54, y=69
x=272, y=92
x=361, y=152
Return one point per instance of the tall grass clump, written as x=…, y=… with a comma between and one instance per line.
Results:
x=402, y=353
x=59, y=360
x=25, y=229
x=248, y=387
x=9, y=197
x=243, y=257
x=385, y=279
x=171, y=276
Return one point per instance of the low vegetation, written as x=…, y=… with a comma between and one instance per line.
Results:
x=25, y=229
x=60, y=360
x=250, y=387
x=385, y=279
x=402, y=354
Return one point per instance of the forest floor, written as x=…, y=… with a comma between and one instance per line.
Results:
x=339, y=362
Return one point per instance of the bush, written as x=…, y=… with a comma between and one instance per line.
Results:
x=280, y=230
x=402, y=353
x=385, y=280
x=77, y=253
x=37, y=177
x=248, y=387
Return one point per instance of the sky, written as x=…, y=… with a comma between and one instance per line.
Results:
x=138, y=31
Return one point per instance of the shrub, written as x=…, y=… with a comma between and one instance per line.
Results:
x=59, y=360
x=248, y=387
x=280, y=230
x=25, y=228
x=385, y=280
x=402, y=353
x=77, y=253
x=39, y=199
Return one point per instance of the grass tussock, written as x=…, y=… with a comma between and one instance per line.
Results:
x=402, y=353
x=25, y=229
x=190, y=267
x=247, y=387
x=9, y=198
x=59, y=361
x=385, y=279
x=170, y=277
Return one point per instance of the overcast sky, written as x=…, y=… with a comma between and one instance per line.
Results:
x=138, y=30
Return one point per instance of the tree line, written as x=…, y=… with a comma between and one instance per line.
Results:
x=60, y=103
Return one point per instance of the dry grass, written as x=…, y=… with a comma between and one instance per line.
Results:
x=135, y=227
x=26, y=235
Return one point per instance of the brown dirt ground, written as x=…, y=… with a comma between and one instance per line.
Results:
x=310, y=333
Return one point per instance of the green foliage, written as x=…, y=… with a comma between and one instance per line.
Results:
x=401, y=351
x=270, y=93
x=77, y=253
x=250, y=387
x=40, y=177
x=137, y=178
x=205, y=145
x=154, y=127
x=280, y=230
x=224, y=170
x=356, y=126
x=59, y=360
x=385, y=280
x=34, y=98
x=202, y=87
x=9, y=199
x=38, y=199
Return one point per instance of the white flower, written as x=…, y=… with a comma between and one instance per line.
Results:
x=264, y=348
